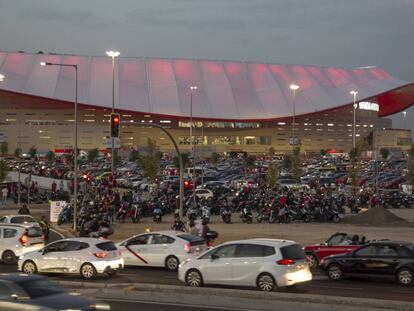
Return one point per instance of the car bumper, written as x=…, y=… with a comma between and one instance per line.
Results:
x=292, y=278
x=108, y=265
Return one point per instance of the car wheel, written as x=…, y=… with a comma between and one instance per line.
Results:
x=312, y=261
x=405, y=277
x=8, y=257
x=335, y=272
x=171, y=263
x=88, y=271
x=266, y=282
x=29, y=267
x=193, y=278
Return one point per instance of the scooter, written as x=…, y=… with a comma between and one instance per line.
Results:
x=157, y=215
x=225, y=214
x=246, y=215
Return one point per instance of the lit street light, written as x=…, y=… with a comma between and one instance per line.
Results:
x=405, y=120
x=192, y=89
x=2, y=77
x=294, y=141
x=113, y=54
x=75, y=156
x=354, y=93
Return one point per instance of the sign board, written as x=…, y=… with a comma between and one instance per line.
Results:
x=368, y=106
x=55, y=209
x=117, y=142
x=2, y=138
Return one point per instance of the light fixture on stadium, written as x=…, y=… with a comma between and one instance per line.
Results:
x=294, y=87
x=113, y=53
x=2, y=77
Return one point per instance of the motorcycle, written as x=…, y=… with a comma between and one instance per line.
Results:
x=206, y=213
x=134, y=213
x=65, y=215
x=157, y=215
x=225, y=214
x=192, y=213
x=246, y=215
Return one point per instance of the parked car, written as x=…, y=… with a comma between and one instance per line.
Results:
x=18, y=219
x=338, y=243
x=262, y=263
x=204, y=193
x=85, y=256
x=382, y=258
x=161, y=249
x=19, y=239
x=37, y=290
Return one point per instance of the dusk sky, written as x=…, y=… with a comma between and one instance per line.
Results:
x=346, y=33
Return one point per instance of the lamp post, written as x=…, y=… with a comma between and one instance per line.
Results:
x=75, y=156
x=294, y=87
x=354, y=93
x=113, y=54
x=192, y=151
x=405, y=120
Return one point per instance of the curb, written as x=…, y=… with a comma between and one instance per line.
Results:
x=249, y=294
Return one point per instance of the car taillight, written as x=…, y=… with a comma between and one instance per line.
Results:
x=24, y=239
x=101, y=254
x=285, y=262
x=187, y=247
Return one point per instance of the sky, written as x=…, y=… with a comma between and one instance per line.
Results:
x=344, y=33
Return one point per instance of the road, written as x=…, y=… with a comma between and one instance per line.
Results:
x=321, y=285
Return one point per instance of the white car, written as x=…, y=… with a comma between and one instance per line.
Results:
x=19, y=239
x=85, y=256
x=18, y=219
x=204, y=193
x=161, y=249
x=263, y=263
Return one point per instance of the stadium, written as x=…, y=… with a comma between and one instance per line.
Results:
x=237, y=106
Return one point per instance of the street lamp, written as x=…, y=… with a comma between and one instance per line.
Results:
x=113, y=54
x=193, y=88
x=75, y=157
x=405, y=120
x=294, y=87
x=2, y=77
x=354, y=93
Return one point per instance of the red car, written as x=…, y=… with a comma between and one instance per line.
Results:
x=338, y=243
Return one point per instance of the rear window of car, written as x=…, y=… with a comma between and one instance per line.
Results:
x=106, y=246
x=34, y=232
x=293, y=251
x=193, y=239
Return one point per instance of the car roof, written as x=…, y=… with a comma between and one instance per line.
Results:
x=263, y=241
x=386, y=242
x=86, y=240
x=18, y=215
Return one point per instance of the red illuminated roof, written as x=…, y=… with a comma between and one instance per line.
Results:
x=226, y=90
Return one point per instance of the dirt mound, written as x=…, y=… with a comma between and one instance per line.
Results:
x=377, y=217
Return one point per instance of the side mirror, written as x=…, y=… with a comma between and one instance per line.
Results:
x=214, y=257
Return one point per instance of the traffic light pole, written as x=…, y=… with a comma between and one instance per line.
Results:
x=113, y=108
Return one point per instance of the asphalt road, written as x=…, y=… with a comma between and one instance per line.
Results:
x=385, y=289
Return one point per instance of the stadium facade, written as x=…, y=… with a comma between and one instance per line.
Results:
x=238, y=106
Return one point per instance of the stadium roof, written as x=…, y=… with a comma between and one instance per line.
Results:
x=226, y=90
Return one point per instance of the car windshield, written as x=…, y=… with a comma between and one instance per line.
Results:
x=106, y=246
x=41, y=288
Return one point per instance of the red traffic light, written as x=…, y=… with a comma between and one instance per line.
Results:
x=116, y=120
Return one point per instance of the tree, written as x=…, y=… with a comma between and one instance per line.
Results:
x=410, y=164
x=271, y=152
x=323, y=152
x=4, y=148
x=287, y=161
x=151, y=160
x=249, y=161
x=32, y=152
x=3, y=170
x=214, y=158
x=93, y=154
x=50, y=156
x=272, y=175
x=296, y=168
x=17, y=152
x=185, y=157
x=134, y=155
x=384, y=153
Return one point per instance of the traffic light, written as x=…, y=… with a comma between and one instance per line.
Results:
x=115, y=121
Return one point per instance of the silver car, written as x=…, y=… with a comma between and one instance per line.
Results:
x=85, y=256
